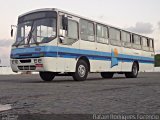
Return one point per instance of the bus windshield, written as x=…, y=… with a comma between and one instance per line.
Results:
x=33, y=29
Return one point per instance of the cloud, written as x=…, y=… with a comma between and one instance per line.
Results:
x=6, y=43
x=159, y=25
x=101, y=17
x=5, y=56
x=5, y=48
x=142, y=28
x=157, y=51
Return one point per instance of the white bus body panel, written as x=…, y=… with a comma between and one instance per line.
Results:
x=68, y=64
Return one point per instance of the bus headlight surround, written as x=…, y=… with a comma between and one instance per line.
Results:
x=39, y=60
x=35, y=61
x=14, y=61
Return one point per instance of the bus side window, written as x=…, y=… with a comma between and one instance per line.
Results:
x=115, y=36
x=72, y=29
x=102, y=34
x=126, y=39
x=60, y=22
x=145, y=43
x=151, y=45
x=136, y=42
x=87, y=30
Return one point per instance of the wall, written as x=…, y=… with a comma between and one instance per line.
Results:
x=6, y=71
x=157, y=69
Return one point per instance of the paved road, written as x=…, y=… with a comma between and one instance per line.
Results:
x=28, y=94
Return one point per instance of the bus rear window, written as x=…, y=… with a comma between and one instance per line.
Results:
x=145, y=43
x=151, y=45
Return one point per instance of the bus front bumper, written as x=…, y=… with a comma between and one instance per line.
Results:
x=32, y=65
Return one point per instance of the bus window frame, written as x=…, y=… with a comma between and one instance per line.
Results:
x=133, y=42
x=150, y=39
x=106, y=31
x=76, y=39
x=87, y=34
x=127, y=42
x=144, y=47
x=110, y=39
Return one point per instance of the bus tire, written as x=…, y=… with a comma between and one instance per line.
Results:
x=134, y=72
x=81, y=71
x=107, y=74
x=47, y=76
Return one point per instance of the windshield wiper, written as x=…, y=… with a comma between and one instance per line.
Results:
x=30, y=35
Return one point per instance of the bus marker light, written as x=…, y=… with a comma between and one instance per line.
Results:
x=39, y=65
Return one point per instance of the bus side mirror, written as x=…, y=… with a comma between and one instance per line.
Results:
x=11, y=32
x=12, y=29
x=64, y=23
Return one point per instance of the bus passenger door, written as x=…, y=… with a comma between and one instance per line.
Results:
x=68, y=43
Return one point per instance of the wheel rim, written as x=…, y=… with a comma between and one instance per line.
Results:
x=81, y=70
x=135, y=70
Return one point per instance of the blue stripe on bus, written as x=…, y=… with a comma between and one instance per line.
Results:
x=51, y=51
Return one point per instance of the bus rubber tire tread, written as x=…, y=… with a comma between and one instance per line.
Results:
x=76, y=76
x=131, y=74
x=107, y=74
x=47, y=76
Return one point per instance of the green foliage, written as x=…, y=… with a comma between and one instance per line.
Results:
x=157, y=60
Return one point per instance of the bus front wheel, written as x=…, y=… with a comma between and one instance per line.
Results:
x=134, y=72
x=107, y=74
x=47, y=76
x=81, y=71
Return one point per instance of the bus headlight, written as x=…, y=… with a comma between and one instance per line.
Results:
x=14, y=61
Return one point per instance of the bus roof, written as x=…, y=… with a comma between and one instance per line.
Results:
x=59, y=10
x=37, y=10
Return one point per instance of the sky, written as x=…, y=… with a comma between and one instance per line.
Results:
x=140, y=16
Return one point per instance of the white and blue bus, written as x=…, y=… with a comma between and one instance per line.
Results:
x=55, y=42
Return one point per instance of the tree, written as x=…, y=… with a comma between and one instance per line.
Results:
x=157, y=60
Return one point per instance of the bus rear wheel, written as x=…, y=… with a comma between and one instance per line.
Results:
x=107, y=74
x=134, y=72
x=81, y=71
x=47, y=76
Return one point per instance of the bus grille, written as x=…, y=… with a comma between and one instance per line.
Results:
x=26, y=61
x=31, y=67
